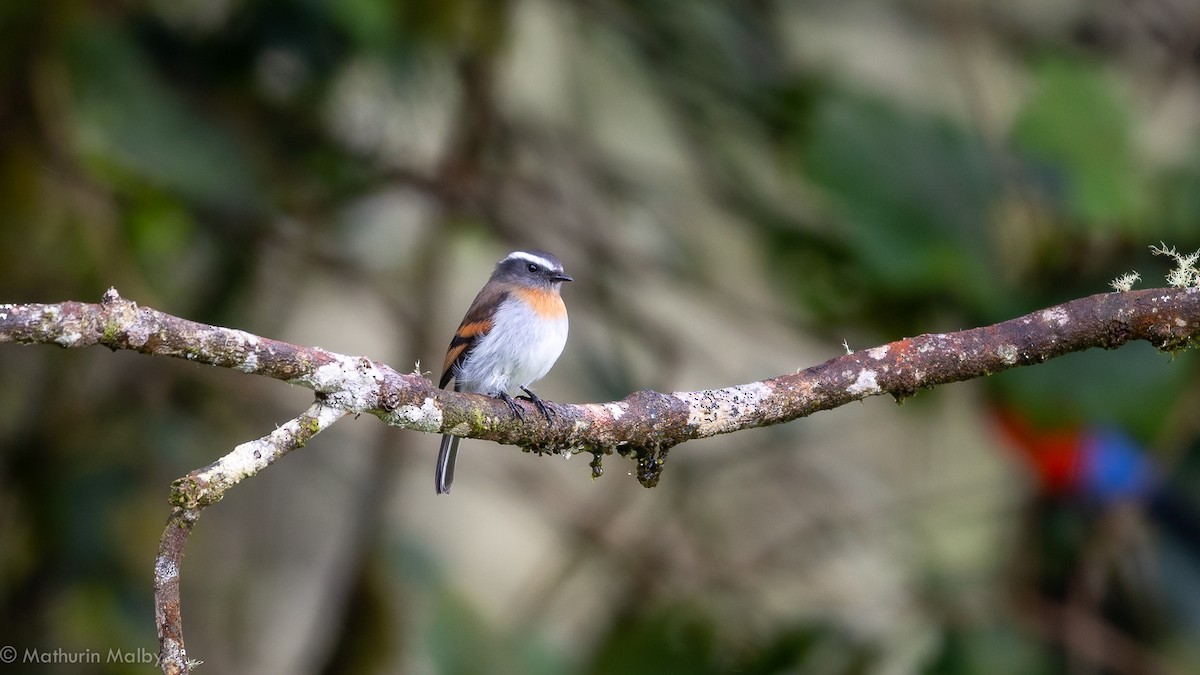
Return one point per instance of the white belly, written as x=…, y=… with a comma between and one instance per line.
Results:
x=518, y=350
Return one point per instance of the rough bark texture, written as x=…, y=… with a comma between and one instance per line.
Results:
x=1167, y=318
x=643, y=425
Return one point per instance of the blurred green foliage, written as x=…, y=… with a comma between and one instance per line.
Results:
x=912, y=190
x=1081, y=134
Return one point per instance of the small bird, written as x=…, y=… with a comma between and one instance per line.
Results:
x=512, y=334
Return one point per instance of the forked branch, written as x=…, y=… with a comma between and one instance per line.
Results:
x=202, y=488
x=643, y=425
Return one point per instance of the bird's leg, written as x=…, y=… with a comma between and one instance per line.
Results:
x=542, y=406
x=512, y=405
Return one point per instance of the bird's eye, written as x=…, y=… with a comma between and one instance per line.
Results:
x=533, y=268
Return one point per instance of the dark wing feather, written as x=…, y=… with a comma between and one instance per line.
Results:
x=474, y=326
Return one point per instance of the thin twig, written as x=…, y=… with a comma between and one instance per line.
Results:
x=204, y=487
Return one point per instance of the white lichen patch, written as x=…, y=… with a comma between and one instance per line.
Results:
x=615, y=410
x=865, y=385
x=165, y=569
x=719, y=410
x=68, y=339
x=1008, y=354
x=349, y=383
x=244, y=338
x=1057, y=316
x=1181, y=323
x=250, y=364
x=250, y=457
x=331, y=375
x=427, y=417
x=931, y=344
x=1125, y=282
x=1185, y=274
x=879, y=353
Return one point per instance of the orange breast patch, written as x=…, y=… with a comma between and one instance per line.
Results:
x=547, y=304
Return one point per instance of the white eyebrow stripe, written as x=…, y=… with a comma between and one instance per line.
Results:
x=535, y=259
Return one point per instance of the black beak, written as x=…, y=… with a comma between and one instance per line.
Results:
x=560, y=276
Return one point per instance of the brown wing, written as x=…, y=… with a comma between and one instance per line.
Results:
x=475, y=325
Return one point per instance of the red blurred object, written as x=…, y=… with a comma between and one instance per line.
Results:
x=1054, y=455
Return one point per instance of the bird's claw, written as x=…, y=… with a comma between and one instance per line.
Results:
x=512, y=405
x=541, y=405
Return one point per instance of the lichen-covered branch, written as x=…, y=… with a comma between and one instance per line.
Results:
x=644, y=424
x=206, y=486
x=202, y=487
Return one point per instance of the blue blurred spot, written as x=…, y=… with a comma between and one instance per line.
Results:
x=1115, y=468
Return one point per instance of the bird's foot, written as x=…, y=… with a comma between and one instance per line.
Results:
x=541, y=405
x=512, y=405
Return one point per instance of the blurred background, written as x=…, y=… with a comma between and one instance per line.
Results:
x=737, y=187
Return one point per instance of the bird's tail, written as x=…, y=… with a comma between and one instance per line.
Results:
x=445, y=465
